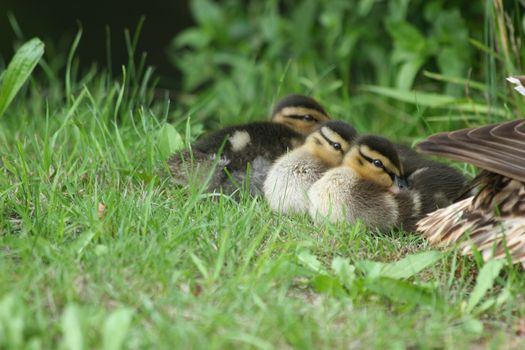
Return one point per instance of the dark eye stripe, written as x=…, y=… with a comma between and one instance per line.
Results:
x=331, y=142
x=370, y=160
x=300, y=117
x=367, y=158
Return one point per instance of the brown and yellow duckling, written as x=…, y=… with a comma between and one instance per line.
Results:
x=290, y=177
x=493, y=220
x=373, y=185
x=223, y=159
x=369, y=186
x=438, y=185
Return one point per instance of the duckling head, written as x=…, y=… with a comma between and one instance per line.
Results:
x=301, y=113
x=375, y=159
x=330, y=142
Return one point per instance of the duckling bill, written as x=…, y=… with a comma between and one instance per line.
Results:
x=290, y=177
x=228, y=158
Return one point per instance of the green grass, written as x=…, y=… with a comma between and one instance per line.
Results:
x=163, y=266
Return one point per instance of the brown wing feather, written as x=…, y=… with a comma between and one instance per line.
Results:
x=474, y=222
x=499, y=148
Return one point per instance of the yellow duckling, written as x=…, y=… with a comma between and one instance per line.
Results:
x=369, y=186
x=291, y=175
x=226, y=159
x=493, y=220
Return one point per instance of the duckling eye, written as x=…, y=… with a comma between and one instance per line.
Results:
x=378, y=163
x=336, y=146
x=308, y=118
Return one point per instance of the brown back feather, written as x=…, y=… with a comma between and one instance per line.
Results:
x=499, y=148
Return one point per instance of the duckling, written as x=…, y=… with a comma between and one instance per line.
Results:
x=369, y=185
x=291, y=175
x=493, y=220
x=438, y=185
x=300, y=113
x=225, y=159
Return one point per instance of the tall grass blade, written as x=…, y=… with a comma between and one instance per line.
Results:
x=73, y=337
x=484, y=282
x=70, y=58
x=115, y=329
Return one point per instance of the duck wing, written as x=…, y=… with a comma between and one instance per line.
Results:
x=499, y=148
x=473, y=222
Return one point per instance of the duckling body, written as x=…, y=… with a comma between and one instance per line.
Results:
x=290, y=177
x=493, y=220
x=342, y=195
x=438, y=185
x=226, y=159
x=240, y=150
x=369, y=186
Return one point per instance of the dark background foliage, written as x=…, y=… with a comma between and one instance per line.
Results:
x=228, y=61
x=303, y=31
x=57, y=21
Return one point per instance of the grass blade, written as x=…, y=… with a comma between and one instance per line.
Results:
x=411, y=265
x=401, y=291
x=73, y=338
x=484, y=282
x=436, y=100
x=18, y=71
x=115, y=329
x=401, y=269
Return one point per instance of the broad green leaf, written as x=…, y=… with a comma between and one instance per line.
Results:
x=328, y=285
x=372, y=269
x=71, y=329
x=407, y=73
x=169, y=140
x=18, y=71
x=456, y=80
x=450, y=62
x=309, y=260
x=411, y=265
x=206, y=12
x=486, y=277
x=487, y=304
x=115, y=329
x=412, y=96
x=408, y=40
x=11, y=322
x=344, y=270
x=401, y=291
x=473, y=326
x=83, y=240
x=434, y=100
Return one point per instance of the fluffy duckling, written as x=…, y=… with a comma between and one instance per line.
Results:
x=438, y=185
x=300, y=113
x=226, y=159
x=493, y=220
x=290, y=177
x=369, y=186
